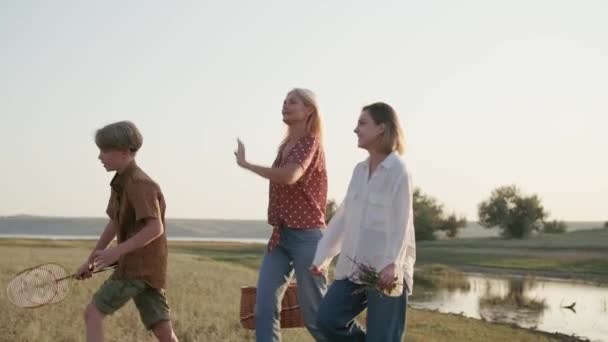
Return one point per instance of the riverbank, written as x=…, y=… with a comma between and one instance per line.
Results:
x=580, y=255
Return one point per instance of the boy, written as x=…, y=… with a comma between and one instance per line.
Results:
x=137, y=218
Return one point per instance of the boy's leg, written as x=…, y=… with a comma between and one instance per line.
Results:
x=385, y=317
x=155, y=313
x=164, y=332
x=275, y=272
x=338, y=310
x=311, y=289
x=93, y=320
x=111, y=296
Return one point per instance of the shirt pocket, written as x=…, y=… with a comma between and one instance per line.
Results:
x=377, y=211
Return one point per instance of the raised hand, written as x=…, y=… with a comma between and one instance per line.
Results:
x=240, y=153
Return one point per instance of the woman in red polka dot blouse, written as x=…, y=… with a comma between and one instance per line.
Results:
x=296, y=211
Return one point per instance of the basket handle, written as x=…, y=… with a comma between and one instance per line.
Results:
x=291, y=308
x=244, y=318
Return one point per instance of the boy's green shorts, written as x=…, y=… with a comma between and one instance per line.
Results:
x=151, y=302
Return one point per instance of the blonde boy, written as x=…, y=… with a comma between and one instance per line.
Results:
x=136, y=210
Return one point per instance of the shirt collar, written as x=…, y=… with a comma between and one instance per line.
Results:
x=119, y=179
x=388, y=162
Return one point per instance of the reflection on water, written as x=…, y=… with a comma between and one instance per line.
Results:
x=528, y=302
x=514, y=306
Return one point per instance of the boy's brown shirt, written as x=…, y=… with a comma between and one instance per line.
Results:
x=134, y=198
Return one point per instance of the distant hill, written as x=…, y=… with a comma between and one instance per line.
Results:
x=40, y=225
x=188, y=228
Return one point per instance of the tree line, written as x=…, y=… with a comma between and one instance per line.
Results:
x=516, y=214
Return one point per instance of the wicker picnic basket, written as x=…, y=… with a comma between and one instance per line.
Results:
x=290, y=309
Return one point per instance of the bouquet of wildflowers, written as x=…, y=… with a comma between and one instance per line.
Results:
x=367, y=276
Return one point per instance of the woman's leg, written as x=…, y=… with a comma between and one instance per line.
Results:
x=302, y=245
x=385, y=317
x=275, y=272
x=338, y=310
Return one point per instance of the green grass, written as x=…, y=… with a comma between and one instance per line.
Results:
x=204, y=294
x=441, y=276
x=577, y=255
x=249, y=255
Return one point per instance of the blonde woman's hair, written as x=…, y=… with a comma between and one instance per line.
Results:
x=122, y=135
x=393, y=138
x=314, y=123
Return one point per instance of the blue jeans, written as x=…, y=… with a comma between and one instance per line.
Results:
x=385, y=315
x=294, y=252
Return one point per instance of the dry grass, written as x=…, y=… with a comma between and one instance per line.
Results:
x=204, y=295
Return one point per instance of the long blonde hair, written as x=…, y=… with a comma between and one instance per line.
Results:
x=314, y=123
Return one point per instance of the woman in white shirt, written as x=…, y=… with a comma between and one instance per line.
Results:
x=374, y=226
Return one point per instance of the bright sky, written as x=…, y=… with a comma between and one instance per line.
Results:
x=490, y=93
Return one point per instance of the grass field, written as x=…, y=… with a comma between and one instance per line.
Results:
x=577, y=255
x=204, y=293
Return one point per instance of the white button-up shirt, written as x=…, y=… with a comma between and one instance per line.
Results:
x=374, y=224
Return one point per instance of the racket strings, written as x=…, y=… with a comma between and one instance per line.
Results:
x=41, y=285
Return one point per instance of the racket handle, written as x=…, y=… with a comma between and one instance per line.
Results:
x=111, y=267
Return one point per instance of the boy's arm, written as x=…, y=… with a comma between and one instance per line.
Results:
x=106, y=237
x=152, y=229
